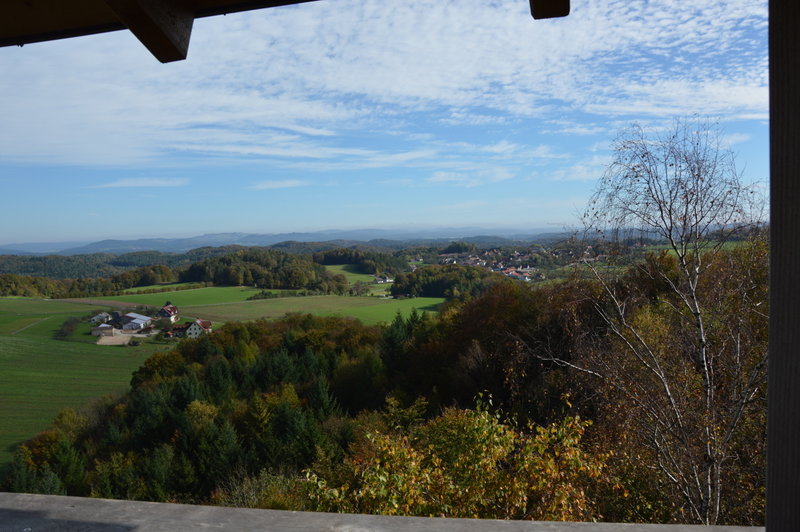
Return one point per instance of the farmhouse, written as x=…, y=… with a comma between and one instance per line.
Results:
x=197, y=328
x=169, y=312
x=192, y=330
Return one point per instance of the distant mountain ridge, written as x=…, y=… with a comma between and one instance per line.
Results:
x=342, y=238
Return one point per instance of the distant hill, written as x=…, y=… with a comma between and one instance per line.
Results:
x=372, y=238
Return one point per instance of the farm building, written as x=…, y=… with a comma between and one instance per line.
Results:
x=104, y=330
x=198, y=328
x=179, y=331
x=133, y=321
x=169, y=312
x=103, y=317
x=192, y=330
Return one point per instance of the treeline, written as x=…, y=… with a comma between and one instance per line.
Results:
x=368, y=262
x=265, y=268
x=102, y=264
x=59, y=266
x=30, y=286
x=256, y=267
x=451, y=281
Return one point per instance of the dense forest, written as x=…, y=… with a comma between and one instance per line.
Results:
x=518, y=401
x=451, y=281
x=368, y=262
x=102, y=264
x=265, y=268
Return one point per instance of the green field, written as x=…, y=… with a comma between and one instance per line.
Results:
x=166, y=286
x=368, y=309
x=187, y=298
x=40, y=375
x=229, y=303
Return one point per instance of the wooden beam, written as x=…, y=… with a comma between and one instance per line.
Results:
x=163, y=26
x=549, y=8
x=783, y=430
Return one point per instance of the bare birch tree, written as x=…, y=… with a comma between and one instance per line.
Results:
x=688, y=360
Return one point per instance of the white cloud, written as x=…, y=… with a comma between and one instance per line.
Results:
x=274, y=185
x=736, y=138
x=319, y=70
x=144, y=183
x=471, y=179
x=586, y=170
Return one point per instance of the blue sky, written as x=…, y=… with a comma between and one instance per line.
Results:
x=364, y=114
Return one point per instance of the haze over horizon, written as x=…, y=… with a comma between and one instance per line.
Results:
x=364, y=115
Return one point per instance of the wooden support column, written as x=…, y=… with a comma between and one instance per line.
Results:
x=163, y=26
x=783, y=432
x=549, y=8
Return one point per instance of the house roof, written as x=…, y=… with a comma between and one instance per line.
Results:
x=170, y=309
x=136, y=316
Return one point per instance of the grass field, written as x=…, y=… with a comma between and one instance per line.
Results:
x=187, y=298
x=172, y=286
x=369, y=309
x=229, y=303
x=40, y=375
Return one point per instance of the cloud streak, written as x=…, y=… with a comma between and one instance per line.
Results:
x=145, y=182
x=279, y=184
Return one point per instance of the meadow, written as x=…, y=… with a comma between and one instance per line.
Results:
x=369, y=309
x=187, y=298
x=229, y=303
x=40, y=375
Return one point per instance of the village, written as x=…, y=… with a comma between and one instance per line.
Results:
x=116, y=328
x=525, y=265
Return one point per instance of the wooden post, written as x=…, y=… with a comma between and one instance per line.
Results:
x=549, y=8
x=783, y=432
x=163, y=26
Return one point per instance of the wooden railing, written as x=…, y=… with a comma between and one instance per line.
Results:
x=34, y=513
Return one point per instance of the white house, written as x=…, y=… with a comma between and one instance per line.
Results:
x=170, y=312
x=197, y=328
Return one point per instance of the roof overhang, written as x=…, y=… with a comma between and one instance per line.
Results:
x=163, y=26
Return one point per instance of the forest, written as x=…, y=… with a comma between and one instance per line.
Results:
x=484, y=411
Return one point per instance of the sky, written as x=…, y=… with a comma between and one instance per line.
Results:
x=365, y=114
